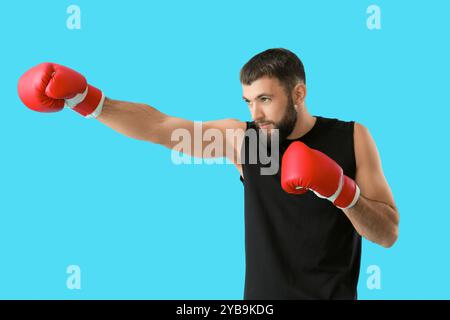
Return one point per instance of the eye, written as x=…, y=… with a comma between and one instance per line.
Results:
x=265, y=99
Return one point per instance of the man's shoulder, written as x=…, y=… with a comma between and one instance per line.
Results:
x=336, y=123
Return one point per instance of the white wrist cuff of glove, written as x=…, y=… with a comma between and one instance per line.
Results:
x=73, y=102
x=334, y=196
x=98, y=109
x=355, y=198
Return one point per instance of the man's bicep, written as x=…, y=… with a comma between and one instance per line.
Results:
x=369, y=172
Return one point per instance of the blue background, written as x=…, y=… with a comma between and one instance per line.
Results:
x=75, y=192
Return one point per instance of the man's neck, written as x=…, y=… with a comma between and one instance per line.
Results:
x=304, y=123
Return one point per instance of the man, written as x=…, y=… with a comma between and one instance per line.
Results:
x=304, y=223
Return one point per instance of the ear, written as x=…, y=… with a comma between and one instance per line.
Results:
x=299, y=93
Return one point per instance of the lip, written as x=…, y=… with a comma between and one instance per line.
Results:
x=265, y=126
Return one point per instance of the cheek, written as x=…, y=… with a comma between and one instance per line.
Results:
x=275, y=114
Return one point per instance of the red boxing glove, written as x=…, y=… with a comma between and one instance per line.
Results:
x=49, y=87
x=303, y=168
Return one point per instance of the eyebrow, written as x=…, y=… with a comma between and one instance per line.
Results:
x=259, y=96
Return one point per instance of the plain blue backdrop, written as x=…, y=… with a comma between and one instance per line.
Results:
x=73, y=192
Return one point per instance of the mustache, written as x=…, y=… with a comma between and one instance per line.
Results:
x=261, y=123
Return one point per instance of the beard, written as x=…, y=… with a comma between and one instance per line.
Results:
x=285, y=126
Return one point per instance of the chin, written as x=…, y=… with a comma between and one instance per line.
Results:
x=271, y=133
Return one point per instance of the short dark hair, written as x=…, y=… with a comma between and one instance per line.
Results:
x=275, y=63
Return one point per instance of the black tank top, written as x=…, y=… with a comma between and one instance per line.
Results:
x=300, y=246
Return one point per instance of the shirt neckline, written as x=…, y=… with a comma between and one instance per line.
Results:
x=307, y=134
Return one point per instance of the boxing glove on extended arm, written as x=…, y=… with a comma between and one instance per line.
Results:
x=49, y=87
x=303, y=168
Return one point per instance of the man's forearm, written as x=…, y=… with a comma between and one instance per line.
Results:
x=134, y=120
x=374, y=220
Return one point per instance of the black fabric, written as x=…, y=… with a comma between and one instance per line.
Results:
x=300, y=246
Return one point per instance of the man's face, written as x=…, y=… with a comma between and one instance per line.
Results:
x=270, y=106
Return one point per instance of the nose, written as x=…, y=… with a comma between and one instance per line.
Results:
x=257, y=112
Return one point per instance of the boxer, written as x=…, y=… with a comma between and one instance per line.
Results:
x=303, y=223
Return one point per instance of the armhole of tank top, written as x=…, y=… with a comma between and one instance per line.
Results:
x=247, y=126
x=352, y=143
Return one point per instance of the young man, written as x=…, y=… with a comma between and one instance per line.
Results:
x=304, y=222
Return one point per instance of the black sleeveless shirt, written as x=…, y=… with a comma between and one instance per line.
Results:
x=300, y=246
